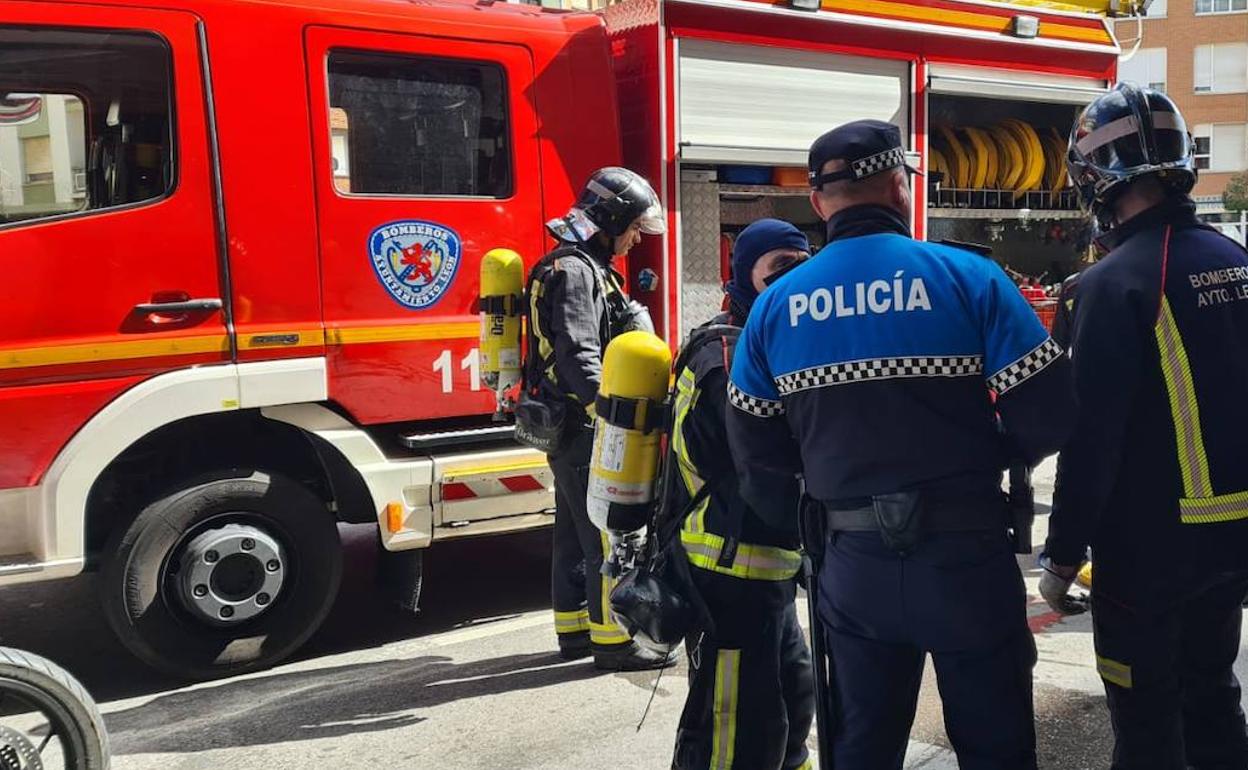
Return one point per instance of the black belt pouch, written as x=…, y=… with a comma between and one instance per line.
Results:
x=900, y=516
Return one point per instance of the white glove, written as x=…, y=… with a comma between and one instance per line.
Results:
x=1055, y=588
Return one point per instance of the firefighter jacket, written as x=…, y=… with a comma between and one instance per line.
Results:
x=575, y=305
x=1155, y=469
x=868, y=368
x=720, y=534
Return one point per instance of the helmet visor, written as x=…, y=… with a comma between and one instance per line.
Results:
x=574, y=227
x=1119, y=146
x=652, y=221
x=1114, y=146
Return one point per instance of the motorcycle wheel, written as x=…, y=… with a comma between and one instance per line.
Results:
x=47, y=718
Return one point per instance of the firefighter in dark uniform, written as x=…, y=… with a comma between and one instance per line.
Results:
x=1063, y=319
x=576, y=306
x=1154, y=477
x=867, y=370
x=751, y=699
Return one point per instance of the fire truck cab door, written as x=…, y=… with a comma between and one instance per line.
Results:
x=108, y=241
x=426, y=157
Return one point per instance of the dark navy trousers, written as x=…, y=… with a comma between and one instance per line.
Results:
x=958, y=597
x=751, y=692
x=1174, y=700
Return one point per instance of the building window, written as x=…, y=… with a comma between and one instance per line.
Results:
x=109, y=144
x=1201, y=148
x=341, y=158
x=1221, y=68
x=419, y=126
x=1220, y=6
x=1157, y=9
x=1220, y=146
x=37, y=159
x=1146, y=68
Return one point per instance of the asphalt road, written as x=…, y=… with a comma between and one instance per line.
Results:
x=471, y=682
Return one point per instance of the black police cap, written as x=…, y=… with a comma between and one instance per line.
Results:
x=866, y=146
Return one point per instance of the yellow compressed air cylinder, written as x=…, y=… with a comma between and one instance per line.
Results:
x=502, y=286
x=627, y=430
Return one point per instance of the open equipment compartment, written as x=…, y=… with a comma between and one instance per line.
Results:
x=715, y=209
x=714, y=86
x=997, y=171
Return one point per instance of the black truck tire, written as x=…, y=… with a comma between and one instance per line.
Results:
x=154, y=615
x=71, y=713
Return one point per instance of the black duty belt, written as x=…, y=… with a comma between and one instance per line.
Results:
x=936, y=517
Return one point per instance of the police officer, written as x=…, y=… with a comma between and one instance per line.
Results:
x=1154, y=476
x=868, y=370
x=751, y=700
x=576, y=306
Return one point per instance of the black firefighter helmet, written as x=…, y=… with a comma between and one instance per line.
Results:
x=1123, y=135
x=611, y=200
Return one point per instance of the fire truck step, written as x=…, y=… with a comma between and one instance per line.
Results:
x=463, y=437
x=19, y=563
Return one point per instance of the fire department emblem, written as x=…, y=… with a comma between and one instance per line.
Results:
x=415, y=261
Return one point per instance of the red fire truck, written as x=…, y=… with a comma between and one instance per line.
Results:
x=241, y=241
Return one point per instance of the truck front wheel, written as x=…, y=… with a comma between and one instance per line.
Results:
x=228, y=574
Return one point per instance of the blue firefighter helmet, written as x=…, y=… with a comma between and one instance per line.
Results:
x=1122, y=136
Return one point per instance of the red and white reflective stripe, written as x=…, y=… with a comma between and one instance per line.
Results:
x=516, y=483
x=522, y=483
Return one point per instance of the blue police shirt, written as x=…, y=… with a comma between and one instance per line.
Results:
x=869, y=369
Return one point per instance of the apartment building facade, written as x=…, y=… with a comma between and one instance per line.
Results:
x=1197, y=52
x=42, y=154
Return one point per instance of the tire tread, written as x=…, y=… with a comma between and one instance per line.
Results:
x=55, y=681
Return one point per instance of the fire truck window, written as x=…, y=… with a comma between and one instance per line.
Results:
x=84, y=121
x=406, y=125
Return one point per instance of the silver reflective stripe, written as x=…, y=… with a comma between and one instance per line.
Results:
x=597, y=189
x=1108, y=133
x=1168, y=120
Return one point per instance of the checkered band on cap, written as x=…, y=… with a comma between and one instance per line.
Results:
x=881, y=161
x=759, y=407
x=880, y=369
x=1026, y=367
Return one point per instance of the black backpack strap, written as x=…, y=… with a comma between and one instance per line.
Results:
x=666, y=525
x=536, y=367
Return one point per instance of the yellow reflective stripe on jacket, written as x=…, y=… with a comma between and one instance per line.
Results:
x=752, y=562
x=571, y=622
x=724, y=717
x=1199, y=504
x=545, y=350
x=1215, y=509
x=1114, y=672
x=686, y=399
x=1193, y=461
